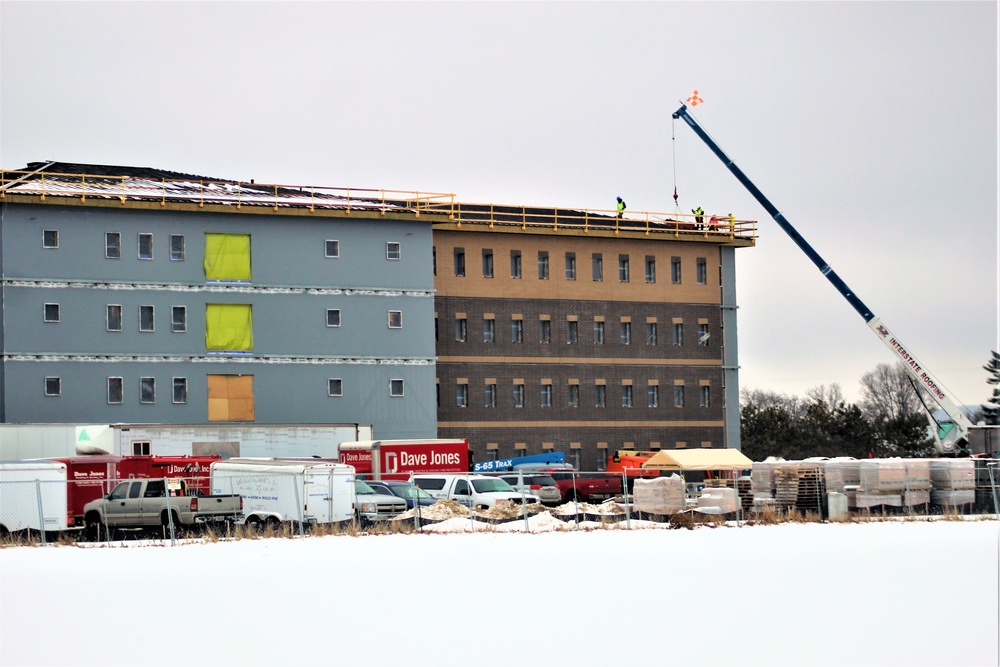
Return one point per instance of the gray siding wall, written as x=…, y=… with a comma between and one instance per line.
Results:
x=286, y=252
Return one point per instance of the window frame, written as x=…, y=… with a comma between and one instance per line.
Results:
x=650, y=269
x=152, y=318
x=458, y=258
x=628, y=396
x=174, y=255
x=572, y=396
x=570, y=266
x=490, y=395
x=676, y=271
x=461, y=330
x=545, y=396
x=140, y=237
x=147, y=390
x=115, y=380
x=544, y=332
x=572, y=332
x=488, y=264
x=54, y=233
x=174, y=328
x=678, y=396
x=516, y=265
x=597, y=267
x=52, y=386
x=55, y=309
x=701, y=271
x=624, y=269
x=182, y=384
x=489, y=330
x=107, y=316
x=117, y=246
x=518, y=395
x=678, y=334
x=703, y=334
x=462, y=395
x=652, y=333
x=600, y=396
x=393, y=251
x=336, y=314
x=336, y=249
x=653, y=396
x=625, y=333
x=395, y=319
x=334, y=392
x=543, y=264
x=516, y=331
x=705, y=396
x=599, y=332
x=393, y=384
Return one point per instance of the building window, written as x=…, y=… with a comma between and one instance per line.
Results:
x=703, y=334
x=53, y=386
x=332, y=248
x=50, y=238
x=653, y=396
x=333, y=317
x=178, y=319
x=115, y=391
x=516, y=331
x=544, y=331
x=489, y=330
x=113, y=245
x=459, y=255
x=597, y=266
x=599, y=333
x=679, y=396
x=571, y=266
x=515, y=263
x=228, y=259
x=146, y=320
x=434, y=259
x=675, y=270
x=392, y=250
x=395, y=387
x=487, y=263
x=335, y=387
x=573, y=395
x=461, y=331
x=650, y=333
x=623, y=268
x=626, y=333
x=395, y=319
x=462, y=395
x=140, y=448
x=147, y=390
x=543, y=265
x=704, y=396
x=180, y=390
x=626, y=396
x=702, y=271
x=491, y=396
x=650, y=269
x=145, y=246
x=546, y=396
x=176, y=247
x=518, y=395
x=114, y=317
x=678, y=333
x=51, y=312
x=572, y=332
x=600, y=396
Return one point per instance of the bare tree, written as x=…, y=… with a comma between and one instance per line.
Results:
x=887, y=394
x=831, y=395
x=763, y=399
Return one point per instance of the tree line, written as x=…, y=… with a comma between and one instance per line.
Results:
x=888, y=421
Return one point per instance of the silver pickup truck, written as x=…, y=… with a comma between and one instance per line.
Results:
x=144, y=503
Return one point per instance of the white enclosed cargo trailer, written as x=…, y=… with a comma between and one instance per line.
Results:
x=276, y=491
x=33, y=495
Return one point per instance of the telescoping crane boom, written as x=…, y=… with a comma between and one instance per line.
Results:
x=953, y=433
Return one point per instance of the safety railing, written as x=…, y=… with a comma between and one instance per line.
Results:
x=648, y=222
x=229, y=193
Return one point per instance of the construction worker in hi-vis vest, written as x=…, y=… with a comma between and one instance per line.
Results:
x=621, y=207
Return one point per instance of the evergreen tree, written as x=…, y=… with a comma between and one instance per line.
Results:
x=991, y=409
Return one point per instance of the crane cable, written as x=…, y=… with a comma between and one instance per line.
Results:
x=673, y=146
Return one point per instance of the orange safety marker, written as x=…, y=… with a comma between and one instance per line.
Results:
x=695, y=99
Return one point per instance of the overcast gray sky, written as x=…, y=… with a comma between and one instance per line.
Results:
x=872, y=126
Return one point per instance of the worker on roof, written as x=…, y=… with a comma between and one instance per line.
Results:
x=699, y=217
x=621, y=207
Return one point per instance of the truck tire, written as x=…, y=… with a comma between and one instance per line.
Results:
x=571, y=496
x=93, y=527
x=165, y=523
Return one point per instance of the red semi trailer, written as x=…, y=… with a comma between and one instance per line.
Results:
x=398, y=459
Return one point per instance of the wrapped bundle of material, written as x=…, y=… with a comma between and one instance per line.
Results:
x=953, y=498
x=914, y=497
x=660, y=495
x=866, y=500
x=918, y=474
x=762, y=478
x=799, y=485
x=953, y=474
x=851, y=491
x=841, y=472
x=883, y=476
x=726, y=500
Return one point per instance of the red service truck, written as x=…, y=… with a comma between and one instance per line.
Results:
x=398, y=459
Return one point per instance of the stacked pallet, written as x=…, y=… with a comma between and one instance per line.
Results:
x=883, y=482
x=660, y=495
x=918, y=482
x=762, y=485
x=843, y=475
x=799, y=486
x=953, y=482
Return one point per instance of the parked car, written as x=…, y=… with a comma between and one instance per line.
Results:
x=534, y=484
x=374, y=506
x=477, y=491
x=408, y=491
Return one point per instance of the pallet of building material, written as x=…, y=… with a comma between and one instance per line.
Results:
x=660, y=495
x=866, y=500
x=916, y=497
x=762, y=477
x=743, y=487
x=799, y=486
x=883, y=476
x=841, y=472
x=953, y=474
x=918, y=474
x=953, y=498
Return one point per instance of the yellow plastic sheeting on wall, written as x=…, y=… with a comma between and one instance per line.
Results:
x=228, y=326
x=227, y=256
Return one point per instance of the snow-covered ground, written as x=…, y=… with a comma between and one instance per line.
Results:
x=890, y=593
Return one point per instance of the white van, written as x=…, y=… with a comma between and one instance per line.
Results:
x=33, y=494
x=276, y=490
x=478, y=491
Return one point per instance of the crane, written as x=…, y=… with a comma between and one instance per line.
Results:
x=952, y=434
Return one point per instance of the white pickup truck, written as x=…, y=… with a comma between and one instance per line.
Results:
x=476, y=491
